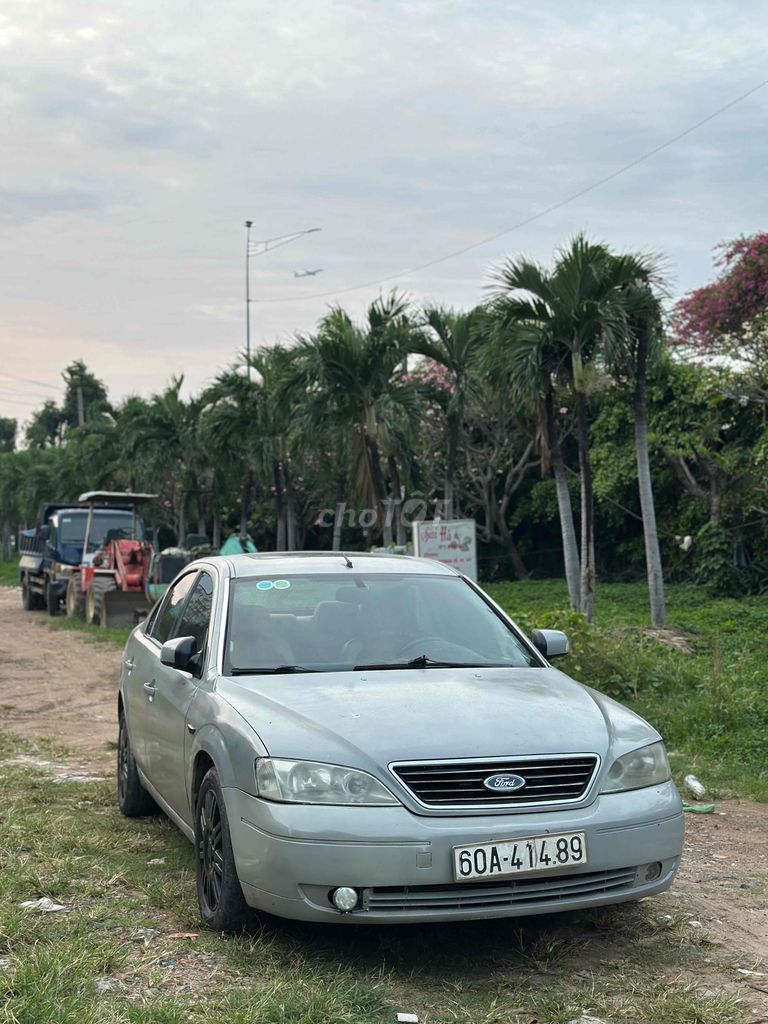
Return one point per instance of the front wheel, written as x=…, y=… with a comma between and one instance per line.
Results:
x=51, y=599
x=219, y=893
x=132, y=799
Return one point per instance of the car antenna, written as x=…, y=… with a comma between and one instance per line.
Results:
x=347, y=560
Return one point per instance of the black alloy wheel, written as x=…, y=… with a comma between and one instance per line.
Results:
x=132, y=799
x=219, y=893
x=210, y=850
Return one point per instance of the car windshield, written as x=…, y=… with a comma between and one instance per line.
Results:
x=116, y=524
x=323, y=623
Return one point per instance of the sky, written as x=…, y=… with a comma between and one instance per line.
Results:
x=137, y=137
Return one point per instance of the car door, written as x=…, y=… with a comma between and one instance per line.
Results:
x=167, y=734
x=142, y=688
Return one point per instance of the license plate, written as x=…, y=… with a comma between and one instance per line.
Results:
x=530, y=854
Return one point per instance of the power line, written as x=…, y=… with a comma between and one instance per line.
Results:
x=27, y=380
x=535, y=216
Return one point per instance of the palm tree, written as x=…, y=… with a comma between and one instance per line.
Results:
x=350, y=377
x=230, y=423
x=532, y=361
x=275, y=425
x=628, y=358
x=165, y=431
x=453, y=341
x=575, y=309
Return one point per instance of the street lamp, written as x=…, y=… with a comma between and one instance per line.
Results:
x=258, y=247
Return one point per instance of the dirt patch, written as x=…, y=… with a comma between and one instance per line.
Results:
x=724, y=876
x=57, y=684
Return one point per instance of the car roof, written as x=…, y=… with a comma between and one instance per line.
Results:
x=289, y=563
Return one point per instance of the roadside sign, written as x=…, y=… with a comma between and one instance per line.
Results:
x=451, y=541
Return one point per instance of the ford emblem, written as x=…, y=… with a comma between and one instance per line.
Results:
x=504, y=782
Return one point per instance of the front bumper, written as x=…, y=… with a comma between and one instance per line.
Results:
x=290, y=856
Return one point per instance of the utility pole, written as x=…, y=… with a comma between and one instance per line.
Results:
x=80, y=406
x=258, y=248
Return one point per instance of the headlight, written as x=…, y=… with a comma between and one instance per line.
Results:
x=647, y=766
x=310, y=782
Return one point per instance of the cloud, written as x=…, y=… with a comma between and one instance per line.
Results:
x=138, y=138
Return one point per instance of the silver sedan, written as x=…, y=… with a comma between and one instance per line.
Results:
x=369, y=738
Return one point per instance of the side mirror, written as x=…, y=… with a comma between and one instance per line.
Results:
x=181, y=653
x=550, y=642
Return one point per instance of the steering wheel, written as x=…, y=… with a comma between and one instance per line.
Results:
x=421, y=646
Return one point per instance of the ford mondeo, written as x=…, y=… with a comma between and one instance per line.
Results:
x=370, y=738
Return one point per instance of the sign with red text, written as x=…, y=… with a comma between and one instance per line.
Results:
x=451, y=541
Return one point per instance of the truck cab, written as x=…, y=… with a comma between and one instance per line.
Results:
x=52, y=552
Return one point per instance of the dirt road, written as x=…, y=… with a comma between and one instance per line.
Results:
x=56, y=684
x=59, y=685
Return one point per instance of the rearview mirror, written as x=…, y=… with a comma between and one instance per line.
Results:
x=550, y=642
x=180, y=653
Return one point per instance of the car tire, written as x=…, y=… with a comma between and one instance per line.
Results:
x=27, y=597
x=132, y=799
x=51, y=600
x=219, y=893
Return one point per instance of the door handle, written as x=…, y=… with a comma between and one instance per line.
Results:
x=129, y=663
x=150, y=689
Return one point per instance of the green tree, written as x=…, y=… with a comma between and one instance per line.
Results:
x=352, y=376
x=85, y=396
x=570, y=315
x=8, y=428
x=453, y=341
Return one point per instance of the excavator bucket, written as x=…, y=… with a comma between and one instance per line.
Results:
x=122, y=608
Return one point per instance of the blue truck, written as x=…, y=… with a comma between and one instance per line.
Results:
x=52, y=552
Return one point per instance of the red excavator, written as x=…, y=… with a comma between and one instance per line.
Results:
x=110, y=588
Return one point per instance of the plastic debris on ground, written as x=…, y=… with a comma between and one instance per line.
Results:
x=693, y=786
x=700, y=808
x=44, y=906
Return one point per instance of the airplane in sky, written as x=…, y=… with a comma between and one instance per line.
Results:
x=308, y=273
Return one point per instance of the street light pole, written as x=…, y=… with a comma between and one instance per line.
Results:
x=258, y=248
x=248, y=225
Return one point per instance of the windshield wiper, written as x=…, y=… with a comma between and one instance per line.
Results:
x=423, y=661
x=276, y=670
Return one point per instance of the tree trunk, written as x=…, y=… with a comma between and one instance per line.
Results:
x=452, y=510
x=5, y=539
x=216, y=537
x=645, y=487
x=377, y=476
x=279, y=506
x=290, y=510
x=564, y=506
x=388, y=511
x=587, y=511
x=181, y=523
x=245, y=508
x=338, y=522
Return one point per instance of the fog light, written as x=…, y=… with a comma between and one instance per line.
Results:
x=653, y=871
x=344, y=898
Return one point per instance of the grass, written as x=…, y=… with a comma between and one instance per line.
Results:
x=9, y=574
x=710, y=703
x=129, y=950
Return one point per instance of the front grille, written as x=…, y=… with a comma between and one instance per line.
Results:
x=480, y=895
x=460, y=783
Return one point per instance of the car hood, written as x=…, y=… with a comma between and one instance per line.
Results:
x=367, y=720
